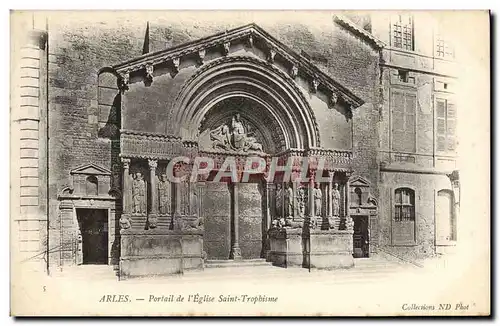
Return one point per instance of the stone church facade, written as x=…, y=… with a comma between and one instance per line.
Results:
x=102, y=112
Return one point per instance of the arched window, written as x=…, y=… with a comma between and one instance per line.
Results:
x=446, y=228
x=403, y=225
x=91, y=186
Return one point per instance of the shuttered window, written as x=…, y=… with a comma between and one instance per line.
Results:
x=403, y=121
x=445, y=126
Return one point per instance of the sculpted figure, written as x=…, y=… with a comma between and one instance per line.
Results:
x=301, y=202
x=289, y=201
x=318, y=196
x=239, y=136
x=194, y=201
x=235, y=138
x=139, y=194
x=164, y=195
x=221, y=137
x=336, y=200
x=279, y=199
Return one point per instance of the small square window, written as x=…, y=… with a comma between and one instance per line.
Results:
x=403, y=76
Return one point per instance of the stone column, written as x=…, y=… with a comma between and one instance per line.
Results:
x=235, y=247
x=125, y=221
x=349, y=223
x=67, y=232
x=268, y=188
x=126, y=187
x=329, y=194
x=153, y=214
x=177, y=219
x=310, y=192
x=268, y=191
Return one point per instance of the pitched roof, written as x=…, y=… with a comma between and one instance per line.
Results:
x=254, y=33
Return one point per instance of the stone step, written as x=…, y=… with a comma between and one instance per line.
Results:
x=236, y=263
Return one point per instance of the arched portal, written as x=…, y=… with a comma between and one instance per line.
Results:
x=270, y=98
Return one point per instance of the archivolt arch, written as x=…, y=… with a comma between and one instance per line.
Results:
x=254, y=79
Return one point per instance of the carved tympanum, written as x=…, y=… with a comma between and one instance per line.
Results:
x=234, y=138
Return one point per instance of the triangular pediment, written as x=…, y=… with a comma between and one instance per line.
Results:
x=359, y=181
x=91, y=169
x=252, y=36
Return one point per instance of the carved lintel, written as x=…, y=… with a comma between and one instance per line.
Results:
x=294, y=72
x=271, y=55
x=314, y=85
x=225, y=48
x=250, y=40
x=176, y=62
x=201, y=56
x=123, y=81
x=149, y=73
x=333, y=99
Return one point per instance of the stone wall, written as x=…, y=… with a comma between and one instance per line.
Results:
x=79, y=46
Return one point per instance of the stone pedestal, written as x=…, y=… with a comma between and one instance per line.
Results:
x=321, y=249
x=160, y=252
x=287, y=247
x=331, y=249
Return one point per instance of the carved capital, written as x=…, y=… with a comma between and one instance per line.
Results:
x=330, y=175
x=176, y=62
x=225, y=48
x=294, y=72
x=152, y=164
x=201, y=56
x=126, y=163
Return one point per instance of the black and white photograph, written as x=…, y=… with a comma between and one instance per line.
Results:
x=250, y=163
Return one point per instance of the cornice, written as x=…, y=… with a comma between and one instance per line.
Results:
x=364, y=35
x=250, y=34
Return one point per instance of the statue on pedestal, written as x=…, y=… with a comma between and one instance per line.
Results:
x=336, y=200
x=301, y=202
x=289, y=202
x=279, y=199
x=194, y=201
x=139, y=194
x=318, y=200
x=164, y=195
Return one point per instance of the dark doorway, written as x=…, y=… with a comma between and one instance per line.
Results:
x=93, y=225
x=360, y=237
